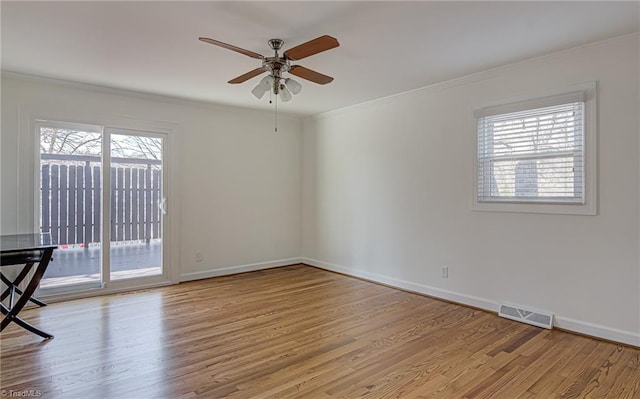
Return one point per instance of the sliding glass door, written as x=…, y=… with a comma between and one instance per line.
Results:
x=71, y=202
x=136, y=203
x=102, y=200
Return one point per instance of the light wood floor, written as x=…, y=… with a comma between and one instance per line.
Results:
x=300, y=332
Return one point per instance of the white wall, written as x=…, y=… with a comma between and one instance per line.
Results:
x=387, y=191
x=237, y=184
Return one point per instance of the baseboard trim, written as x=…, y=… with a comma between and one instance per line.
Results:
x=597, y=331
x=564, y=323
x=225, y=271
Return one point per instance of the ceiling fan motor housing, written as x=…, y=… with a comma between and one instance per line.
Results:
x=276, y=65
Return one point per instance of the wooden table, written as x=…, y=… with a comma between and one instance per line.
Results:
x=27, y=250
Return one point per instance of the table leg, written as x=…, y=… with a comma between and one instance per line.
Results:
x=23, y=273
x=13, y=286
x=12, y=313
x=24, y=324
x=32, y=299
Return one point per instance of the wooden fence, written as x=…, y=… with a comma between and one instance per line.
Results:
x=71, y=198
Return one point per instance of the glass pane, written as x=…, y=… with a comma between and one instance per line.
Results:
x=541, y=178
x=136, y=218
x=70, y=196
x=556, y=130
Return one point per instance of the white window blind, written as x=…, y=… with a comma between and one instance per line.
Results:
x=533, y=155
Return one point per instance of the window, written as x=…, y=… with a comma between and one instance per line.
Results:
x=532, y=155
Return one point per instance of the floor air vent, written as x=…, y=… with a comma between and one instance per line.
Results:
x=535, y=317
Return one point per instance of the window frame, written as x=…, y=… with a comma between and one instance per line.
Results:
x=586, y=91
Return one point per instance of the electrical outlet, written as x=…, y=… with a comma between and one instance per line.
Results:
x=199, y=256
x=445, y=272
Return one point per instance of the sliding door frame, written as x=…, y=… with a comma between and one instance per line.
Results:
x=28, y=200
x=107, y=132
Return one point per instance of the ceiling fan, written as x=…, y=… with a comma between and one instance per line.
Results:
x=279, y=64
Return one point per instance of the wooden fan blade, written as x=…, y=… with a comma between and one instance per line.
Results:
x=247, y=76
x=308, y=74
x=315, y=46
x=232, y=48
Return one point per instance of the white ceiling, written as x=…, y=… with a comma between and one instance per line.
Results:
x=385, y=47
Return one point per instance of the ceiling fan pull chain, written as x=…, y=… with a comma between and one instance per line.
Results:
x=276, y=122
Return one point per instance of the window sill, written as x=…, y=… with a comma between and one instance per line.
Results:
x=557, y=209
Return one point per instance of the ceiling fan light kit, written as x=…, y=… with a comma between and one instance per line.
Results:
x=293, y=85
x=275, y=83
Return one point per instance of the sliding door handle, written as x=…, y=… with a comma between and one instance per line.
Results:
x=162, y=204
